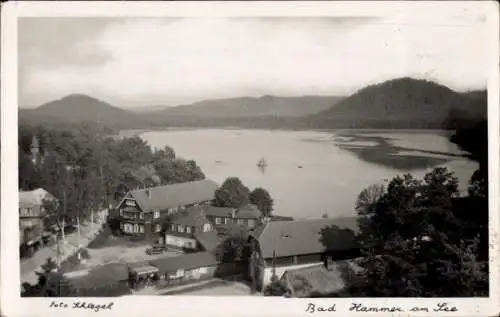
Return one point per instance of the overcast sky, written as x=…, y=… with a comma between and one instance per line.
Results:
x=140, y=62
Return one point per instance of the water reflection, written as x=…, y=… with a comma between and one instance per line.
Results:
x=262, y=168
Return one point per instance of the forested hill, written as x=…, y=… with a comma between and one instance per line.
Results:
x=398, y=103
x=402, y=103
x=78, y=108
x=248, y=107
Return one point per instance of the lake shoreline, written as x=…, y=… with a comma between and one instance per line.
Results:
x=308, y=174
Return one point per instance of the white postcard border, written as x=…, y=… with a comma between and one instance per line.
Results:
x=12, y=305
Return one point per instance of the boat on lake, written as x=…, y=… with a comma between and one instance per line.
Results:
x=262, y=163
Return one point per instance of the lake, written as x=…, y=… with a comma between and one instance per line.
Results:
x=310, y=173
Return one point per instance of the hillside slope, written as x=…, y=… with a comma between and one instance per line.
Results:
x=246, y=107
x=401, y=103
x=78, y=108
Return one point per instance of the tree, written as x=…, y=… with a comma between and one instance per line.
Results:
x=232, y=194
x=51, y=283
x=261, y=198
x=234, y=248
x=414, y=243
x=275, y=288
x=368, y=197
x=167, y=153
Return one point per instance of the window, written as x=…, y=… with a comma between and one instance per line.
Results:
x=251, y=223
x=188, y=229
x=172, y=227
x=226, y=220
x=180, y=228
x=121, y=212
x=217, y=220
x=180, y=273
x=158, y=228
x=241, y=221
x=130, y=203
x=127, y=227
x=207, y=227
x=136, y=228
x=157, y=214
x=141, y=228
x=141, y=215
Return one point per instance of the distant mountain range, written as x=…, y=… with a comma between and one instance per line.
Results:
x=245, y=107
x=398, y=103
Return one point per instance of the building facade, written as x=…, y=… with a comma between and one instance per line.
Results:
x=32, y=215
x=143, y=211
x=191, y=231
x=286, y=245
x=225, y=219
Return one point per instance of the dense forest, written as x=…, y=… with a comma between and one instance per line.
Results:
x=88, y=169
x=421, y=238
x=403, y=103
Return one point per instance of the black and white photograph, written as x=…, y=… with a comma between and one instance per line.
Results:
x=286, y=156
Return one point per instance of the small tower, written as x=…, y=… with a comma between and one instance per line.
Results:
x=35, y=150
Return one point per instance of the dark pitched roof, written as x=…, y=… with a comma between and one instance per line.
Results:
x=248, y=212
x=245, y=212
x=317, y=280
x=34, y=197
x=170, y=196
x=191, y=217
x=288, y=238
x=219, y=211
x=281, y=218
x=185, y=261
x=208, y=240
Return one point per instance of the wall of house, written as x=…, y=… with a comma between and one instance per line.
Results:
x=32, y=230
x=226, y=221
x=132, y=228
x=282, y=269
x=186, y=276
x=180, y=242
